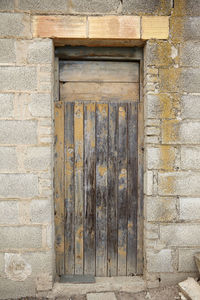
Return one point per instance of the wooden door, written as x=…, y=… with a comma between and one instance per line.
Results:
x=96, y=168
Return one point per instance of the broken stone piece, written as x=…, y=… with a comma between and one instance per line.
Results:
x=197, y=260
x=190, y=289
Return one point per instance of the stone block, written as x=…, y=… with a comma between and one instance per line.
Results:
x=162, y=157
x=151, y=231
x=152, y=130
x=40, y=262
x=101, y=296
x=8, y=212
x=179, y=183
x=18, y=132
x=169, y=79
x=18, y=78
x=190, y=106
x=43, y=6
x=59, y=26
x=40, y=52
x=197, y=260
x=94, y=6
x=161, y=209
x=190, y=80
x=189, y=132
x=20, y=237
x=154, y=27
x=190, y=158
x=6, y=5
x=8, y=159
x=15, y=25
x=144, y=7
x=37, y=158
x=186, y=262
x=148, y=183
x=7, y=50
x=6, y=105
x=191, y=28
x=40, y=105
x=174, y=278
x=192, y=7
x=182, y=235
x=162, y=106
x=114, y=27
x=17, y=289
x=159, y=54
x=190, y=288
x=18, y=185
x=41, y=211
x=189, y=209
x=160, y=261
x=190, y=54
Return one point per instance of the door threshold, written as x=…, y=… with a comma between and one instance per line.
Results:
x=130, y=284
x=77, y=279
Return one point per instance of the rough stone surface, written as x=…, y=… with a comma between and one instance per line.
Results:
x=180, y=235
x=26, y=132
x=146, y=7
x=16, y=268
x=190, y=158
x=190, y=80
x=43, y=6
x=189, y=208
x=192, y=28
x=161, y=209
x=190, y=54
x=192, y=7
x=15, y=25
x=6, y=105
x=160, y=262
x=40, y=52
x=18, y=78
x=37, y=158
x=190, y=106
x=18, y=185
x=6, y=5
x=189, y=132
x=9, y=212
x=40, y=105
x=190, y=288
x=40, y=262
x=187, y=260
x=162, y=157
x=181, y=183
x=17, y=288
x=40, y=211
x=101, y=296
x=86, y=6
x=13, y=237
x=8, y=159
x=7, y=50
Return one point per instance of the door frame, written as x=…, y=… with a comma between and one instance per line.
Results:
x=105, y=54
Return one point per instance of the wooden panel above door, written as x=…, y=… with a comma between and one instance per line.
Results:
x=99, y=71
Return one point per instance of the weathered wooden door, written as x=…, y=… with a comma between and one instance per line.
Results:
x=96, y=168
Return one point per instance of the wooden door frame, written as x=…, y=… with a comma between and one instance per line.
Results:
x=108, y=54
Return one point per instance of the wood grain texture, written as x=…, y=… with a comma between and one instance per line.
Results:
x=100, y=71
x=92, y=91
x=132, y=189
x=59, y=26
x=112, y=234
x=90, y=188
x=79, y=194
x=59, y=186
x=69, y=189
x=101, y=188
x=122, y=190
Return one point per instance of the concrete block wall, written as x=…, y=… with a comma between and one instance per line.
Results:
x=172, y=142
x=172, y=123
x=26, y=138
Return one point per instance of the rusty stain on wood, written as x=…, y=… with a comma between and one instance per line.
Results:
x=59, y=186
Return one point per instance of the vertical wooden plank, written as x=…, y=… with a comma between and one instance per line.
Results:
x=89, y=181
x=132, y=189
x=101, y=188
x=56, y=79
x=78, y=176
x=112, y=189
x=140, y=218
x=69, y=188
x=59, y=186
x=122, y=190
